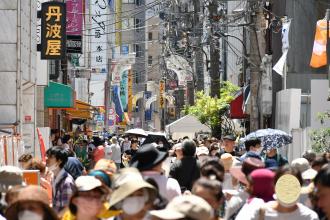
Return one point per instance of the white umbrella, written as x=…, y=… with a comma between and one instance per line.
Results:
x=137, y=132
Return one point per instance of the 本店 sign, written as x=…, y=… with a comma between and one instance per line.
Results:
x=99, y=11
x=53, y=30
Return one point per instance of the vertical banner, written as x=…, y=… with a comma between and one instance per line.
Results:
x=130, y=92
x=53, y=30
x=118, y=22
x=123, y=89
x=74, y=17
x=74, y=20
x=161, y=94
x=99, y=11
x=148, y=111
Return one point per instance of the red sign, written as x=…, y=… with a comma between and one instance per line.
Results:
x=28, y=118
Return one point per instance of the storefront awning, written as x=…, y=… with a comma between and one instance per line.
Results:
x=81, y=110
x=57, y=95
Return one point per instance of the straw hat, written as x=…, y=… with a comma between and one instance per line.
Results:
x=29, y=194
x=128, y=181
x=190, y=206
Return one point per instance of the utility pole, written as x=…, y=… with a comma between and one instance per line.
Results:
x=256, y=54
x=199, y=67
x=327, y=16
x=214, y=50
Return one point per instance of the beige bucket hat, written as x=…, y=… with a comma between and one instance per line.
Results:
x=185, y=206
x=128, y=181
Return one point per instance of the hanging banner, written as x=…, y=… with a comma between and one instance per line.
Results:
x=148, y=111
x=99, y=11
x=53, y=31
x=161, y=94
x=130, y=92
x=118, y=22
x=117, y=102
x=123, y=90
x=74, y=17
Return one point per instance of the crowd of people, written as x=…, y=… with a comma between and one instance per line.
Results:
x=209, y=179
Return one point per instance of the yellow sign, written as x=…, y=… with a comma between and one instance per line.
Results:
x=161, y=94
x=53, y=26
x=130, y=92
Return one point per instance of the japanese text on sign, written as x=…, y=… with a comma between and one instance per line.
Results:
x=53, y=30
x=99, y=9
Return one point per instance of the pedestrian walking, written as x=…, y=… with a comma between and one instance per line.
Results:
x=149, y=160
x=187, y=170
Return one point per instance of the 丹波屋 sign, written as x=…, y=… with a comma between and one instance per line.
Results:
x=53, y=30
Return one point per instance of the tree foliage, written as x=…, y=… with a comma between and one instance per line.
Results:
x=212, y=111
x=321, y=137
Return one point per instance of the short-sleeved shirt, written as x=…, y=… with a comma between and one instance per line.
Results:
x=98, y=153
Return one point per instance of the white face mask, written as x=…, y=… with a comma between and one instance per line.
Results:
x=133, y=205
x=160, y=145
x=28, y=215
x=259, y=150
x=53, y=167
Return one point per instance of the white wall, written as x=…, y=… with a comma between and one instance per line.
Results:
x=319, y=103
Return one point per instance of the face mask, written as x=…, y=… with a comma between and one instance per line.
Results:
x=259, y=151
x=160, y=145
x=52, y=167
x=133, y=205
x=28, y=215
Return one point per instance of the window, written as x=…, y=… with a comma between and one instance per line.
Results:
x=150, y=36
x=137, y=24
x=125, y=23
x=128, y=1
x=149, y=60
x=138, y=2
x=137, y=50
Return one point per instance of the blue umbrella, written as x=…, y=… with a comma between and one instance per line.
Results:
x=270, y=138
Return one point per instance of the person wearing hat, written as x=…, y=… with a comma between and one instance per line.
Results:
x=186, y=170
x=229, y=145
x=63, y=182
x=87, y=201
x=261, y=189
x=132, y=195
x=10, y=177
x=286, y=205
x=149, y=160
x=185, y=207
x=237, y=198
x=202, y=152
x=32, y=203
x=228, y=161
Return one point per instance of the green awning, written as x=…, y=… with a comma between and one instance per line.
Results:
x=58, y=95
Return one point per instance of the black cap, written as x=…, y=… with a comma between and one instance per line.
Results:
x=229, y=137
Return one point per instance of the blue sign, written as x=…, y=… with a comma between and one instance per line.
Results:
x=124, y=49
